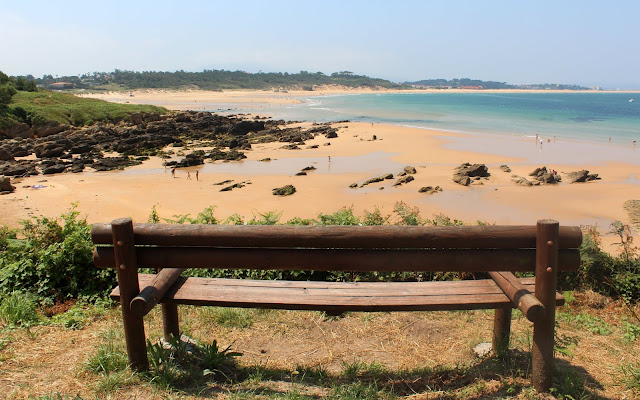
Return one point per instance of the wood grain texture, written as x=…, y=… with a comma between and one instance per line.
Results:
x=520, y=296
x=366, y=237
x=338, y=296
x=340, y=259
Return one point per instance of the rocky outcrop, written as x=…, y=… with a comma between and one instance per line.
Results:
x=5, y=155
x=111, y=163
x=244, y=127
x=404, y=179
x=430, y=189
x=376, y=179
x=581, y=176
x=505, y=168
x=522, y=181
x=408, y=170
x=5, y=185
x=543, y=175
x=286, y=190
x=463, y=173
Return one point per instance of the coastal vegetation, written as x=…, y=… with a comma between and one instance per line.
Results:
x=215, y=80
x=477, y=84
x=22, y=102
x=47, y=280
x=227, y=80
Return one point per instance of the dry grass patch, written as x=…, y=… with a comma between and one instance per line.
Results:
x=309, y=355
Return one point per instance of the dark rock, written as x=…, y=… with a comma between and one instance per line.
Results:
x=430, y=189
x=473, y=170
x=313, y=146
x=49, y=150
x=265, y=159
x=505, y=168
x=309, y=168
x=545, y=176
x=376, y=179
x=461, y=179
x=234, y=186
x=5, y=185
x=410, y=170
x=403, y=180
x=577, y=176
x=111, y=163
x=49, y=129
x=286, y=190
x=353, y=185
x=244, y=127
x=5, y=155
x=21, y=130
x=224, y=182
x=20, y=151
x=301, y=173
x=81, y=149
x=332, y=134
x=291, y=147
x=54, y=169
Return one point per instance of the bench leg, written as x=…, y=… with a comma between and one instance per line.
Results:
x=127, y=271
x=170, y=321
x=501, y=330
x=546, y=280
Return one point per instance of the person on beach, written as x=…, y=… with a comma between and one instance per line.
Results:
x=330, y=156
x=188, y=176
x=173, y=172
x=197, y=175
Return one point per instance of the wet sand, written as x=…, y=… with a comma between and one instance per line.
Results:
x=103, y=196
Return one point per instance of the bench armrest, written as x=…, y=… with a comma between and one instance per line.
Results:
x=522, y=298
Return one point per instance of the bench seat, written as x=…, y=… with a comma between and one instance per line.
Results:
x=335, y=297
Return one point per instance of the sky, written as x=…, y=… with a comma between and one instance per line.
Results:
x=573, y=42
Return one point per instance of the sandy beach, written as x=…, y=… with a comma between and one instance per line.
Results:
x=353, y=157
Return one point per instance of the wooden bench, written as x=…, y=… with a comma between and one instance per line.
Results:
x=497, y=250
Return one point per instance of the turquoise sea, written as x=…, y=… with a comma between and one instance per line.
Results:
x=590, y=116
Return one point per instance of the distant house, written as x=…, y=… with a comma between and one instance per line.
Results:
x=61, y=86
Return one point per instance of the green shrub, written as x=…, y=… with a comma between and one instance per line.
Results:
x=52, y=258
x=19, y=309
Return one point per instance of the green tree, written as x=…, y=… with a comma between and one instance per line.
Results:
x=4, y=78
x=21, y=83
x=6, y=93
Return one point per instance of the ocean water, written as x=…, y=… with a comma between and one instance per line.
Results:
x=590, y=116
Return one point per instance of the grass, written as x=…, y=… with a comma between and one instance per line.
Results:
x=19, y=309
x=43, y=107
x=301, y=355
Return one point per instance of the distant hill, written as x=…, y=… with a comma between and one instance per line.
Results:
x=466, y=83
x=211, y=80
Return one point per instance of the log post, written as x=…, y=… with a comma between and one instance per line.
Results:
x=546, y=280
x=501, y=330
x=127, y=270
x=170, y=321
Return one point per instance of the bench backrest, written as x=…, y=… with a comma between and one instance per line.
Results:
x=339, y=248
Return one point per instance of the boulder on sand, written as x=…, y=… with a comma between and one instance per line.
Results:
x=286, y=190
x=5, y=185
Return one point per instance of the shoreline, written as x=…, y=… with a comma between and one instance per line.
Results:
x=355, y=157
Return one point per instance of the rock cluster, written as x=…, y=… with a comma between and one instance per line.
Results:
x=543, y=175
x=372, y=180
x=463, y=173
x=64, y=148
